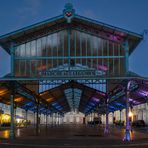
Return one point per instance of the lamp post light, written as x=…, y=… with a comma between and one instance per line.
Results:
x=130, y=114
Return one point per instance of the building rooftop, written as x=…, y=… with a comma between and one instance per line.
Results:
x=70, y=19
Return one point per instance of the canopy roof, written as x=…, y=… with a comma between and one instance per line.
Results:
x=71, y=95
x=78, y=22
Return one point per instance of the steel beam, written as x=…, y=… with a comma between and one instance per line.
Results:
x=67, y=57
x=70, y=77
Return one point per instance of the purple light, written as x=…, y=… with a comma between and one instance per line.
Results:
x=122, y=34
x=102, y=67
x=133, y=101
x=114, y=38
x=130, y=99
x=100, y=93
x=143, y=93
x=146, y=82
x=92, y=104
x=95, y=99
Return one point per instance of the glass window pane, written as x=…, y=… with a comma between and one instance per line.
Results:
x=22, y=50
x=28, y=49
x=39, y=47
x=33, y=48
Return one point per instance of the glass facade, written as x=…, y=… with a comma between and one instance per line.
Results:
x=69, y=48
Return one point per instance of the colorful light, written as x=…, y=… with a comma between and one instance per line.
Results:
x=3, y=91
x=49, y=99
x=40, y=68
x=18, y=120
x=68, y=14
x=19, y=99
x=102, y=67
x=130, y=114
x=5, y=118
x=143, y=93
x=95, y=99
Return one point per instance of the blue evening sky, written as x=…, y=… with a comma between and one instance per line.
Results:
x=128, y=14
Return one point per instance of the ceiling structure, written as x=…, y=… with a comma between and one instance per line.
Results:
x=73, y=95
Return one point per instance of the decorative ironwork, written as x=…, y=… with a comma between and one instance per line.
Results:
x=68, y=12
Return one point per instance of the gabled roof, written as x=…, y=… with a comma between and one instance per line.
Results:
x=99, y=27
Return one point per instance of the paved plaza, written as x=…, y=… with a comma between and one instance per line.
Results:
x=70, y=136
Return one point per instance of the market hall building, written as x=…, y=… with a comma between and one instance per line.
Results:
x=71, y=69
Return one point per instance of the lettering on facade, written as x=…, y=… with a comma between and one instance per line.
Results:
x=69, y=73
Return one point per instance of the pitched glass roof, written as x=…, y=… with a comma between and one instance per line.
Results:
x=80, y=21
x=73, y=96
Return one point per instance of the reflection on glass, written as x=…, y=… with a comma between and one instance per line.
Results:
x=33, y=48
x=85, y=49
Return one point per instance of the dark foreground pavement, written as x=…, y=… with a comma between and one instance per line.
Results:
x=72, y=136
x=73, y=143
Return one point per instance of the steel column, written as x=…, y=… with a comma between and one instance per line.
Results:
x=113, y=119
x=127, y=136
x=46, y=120
x=34, y=119
x=12, y=52
x=37, y=119
x=15, y=114
x=120, y=114
x=55, y=119
x=26, y=117
x=12, y=126
x=52, y=118
x=94, y=118
x=120, y=118
x=58, y=118
x=106, y=130
x=126, y=50
x=69, y=35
